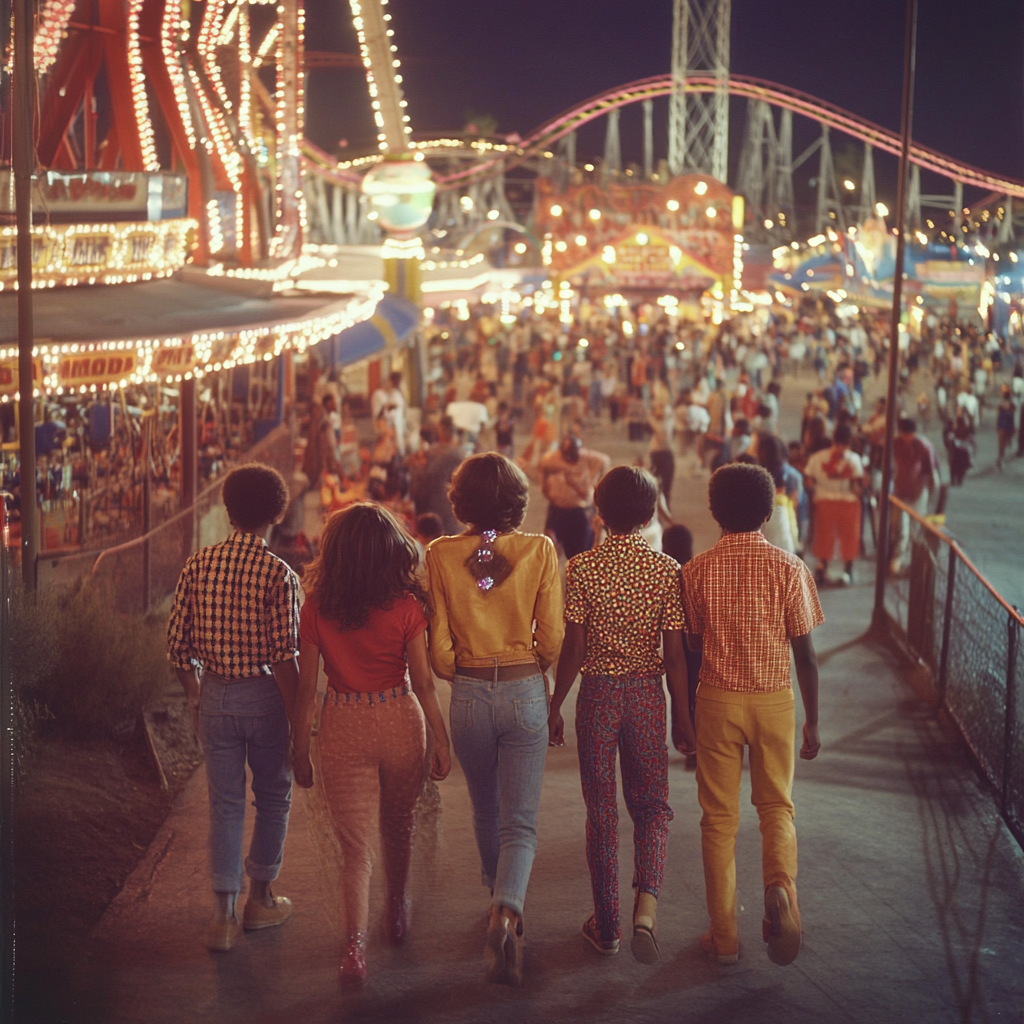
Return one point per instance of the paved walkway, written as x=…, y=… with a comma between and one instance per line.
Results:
x=912, y=891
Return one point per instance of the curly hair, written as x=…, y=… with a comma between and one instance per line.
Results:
x=255, y=496
x=366, y=561
x=489, y=492
x=742, y=497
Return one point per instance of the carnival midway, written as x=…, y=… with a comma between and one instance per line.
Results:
x=259, y=272
x=189, y=285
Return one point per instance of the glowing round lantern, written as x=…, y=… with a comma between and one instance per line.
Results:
x=401, y=192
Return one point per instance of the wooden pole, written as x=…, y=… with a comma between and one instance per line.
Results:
x=906, y=133
x=24, y=172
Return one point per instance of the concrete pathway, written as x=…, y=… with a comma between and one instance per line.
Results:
x=912, y=891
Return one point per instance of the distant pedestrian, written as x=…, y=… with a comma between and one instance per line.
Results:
x=432, y=474
x=836, y=475
x=1004, y=423
x=568, y=479
x=748, y=604
x=915, y=479
x=235, y=625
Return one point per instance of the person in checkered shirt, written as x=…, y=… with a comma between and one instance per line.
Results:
x=748, y=604
x=235, y=624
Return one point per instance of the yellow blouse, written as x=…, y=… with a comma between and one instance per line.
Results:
x=518, y=621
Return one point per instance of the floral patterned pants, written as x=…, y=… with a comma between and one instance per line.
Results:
x=624, y=713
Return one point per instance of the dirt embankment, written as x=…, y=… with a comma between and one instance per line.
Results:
x=85, y=814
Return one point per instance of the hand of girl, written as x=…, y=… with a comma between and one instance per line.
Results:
x=441, y=763
x=302, y=770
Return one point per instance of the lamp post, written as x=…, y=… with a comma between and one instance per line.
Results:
x=400, y=190
x=878, y=618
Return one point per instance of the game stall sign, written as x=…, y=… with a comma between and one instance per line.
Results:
x=171, y=360
x=693, y=213
x=9, y=376
x=644, y=259
x=97, y=369
x=72, y=254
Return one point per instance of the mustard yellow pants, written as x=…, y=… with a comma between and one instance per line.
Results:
x=728, y=721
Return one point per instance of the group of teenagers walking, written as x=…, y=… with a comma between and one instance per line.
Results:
x=488, y=616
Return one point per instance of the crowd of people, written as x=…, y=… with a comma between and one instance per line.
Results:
x=696, y=397
x=487, y=613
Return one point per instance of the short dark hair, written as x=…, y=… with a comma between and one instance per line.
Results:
x=907, y=425
x=255, y=496
x=842, y=434
x=490, y=492
x=677, y=543
x=742, y=497
x=626, y=498
x=429, y=525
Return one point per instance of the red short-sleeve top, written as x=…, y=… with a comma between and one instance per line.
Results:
x=367, y=660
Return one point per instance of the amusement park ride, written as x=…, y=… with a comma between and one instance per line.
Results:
x=171, y=132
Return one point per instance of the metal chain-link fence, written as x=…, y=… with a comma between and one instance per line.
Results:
x=144, y=572
x=951, y=618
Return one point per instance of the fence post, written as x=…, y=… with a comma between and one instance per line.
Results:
x=947, y=622
x=1012, y=638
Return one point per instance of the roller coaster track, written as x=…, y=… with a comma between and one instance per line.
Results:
x=541, y=140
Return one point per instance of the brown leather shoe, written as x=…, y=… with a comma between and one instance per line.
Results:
x=781, y=924
x=220, y=936
x=257, y=915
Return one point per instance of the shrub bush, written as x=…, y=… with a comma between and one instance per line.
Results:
x=86, y=668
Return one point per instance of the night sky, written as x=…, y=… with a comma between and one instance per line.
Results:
x=522, y=61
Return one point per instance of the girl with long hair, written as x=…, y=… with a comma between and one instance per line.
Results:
x=365, y=614
x=495, y=628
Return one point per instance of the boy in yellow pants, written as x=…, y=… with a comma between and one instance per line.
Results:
x=748, y=603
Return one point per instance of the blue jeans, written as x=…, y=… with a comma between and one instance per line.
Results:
x=500, y=735
x=238, y=721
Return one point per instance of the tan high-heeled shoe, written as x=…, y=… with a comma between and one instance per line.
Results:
x=503, y=947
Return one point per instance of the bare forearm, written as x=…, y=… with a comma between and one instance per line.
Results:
x=807, y=676
x=426, y=694
x=305, y=709
x=287, y=675
x=570, y=662
x=189, y=682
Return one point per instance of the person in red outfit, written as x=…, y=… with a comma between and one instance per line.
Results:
x=364, y=615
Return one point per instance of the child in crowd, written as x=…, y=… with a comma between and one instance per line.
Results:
x=622, y=601
x=747, y=604
x=244, y=651
x=364, y=613
x=504, y=428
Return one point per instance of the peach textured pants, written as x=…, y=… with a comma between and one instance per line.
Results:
x=727, y=721
x=372, y=758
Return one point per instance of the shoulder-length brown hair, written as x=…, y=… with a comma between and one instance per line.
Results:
x=366, y=561
x=489, y=492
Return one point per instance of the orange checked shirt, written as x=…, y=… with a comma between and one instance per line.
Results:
x=747, y=598
x=625, y=594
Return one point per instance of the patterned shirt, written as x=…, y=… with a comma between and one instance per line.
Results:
x=747, y=598
x=625, y=594
x=236, y=610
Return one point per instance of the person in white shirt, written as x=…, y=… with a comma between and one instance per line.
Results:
x=470, y=418
x=390, y=402
x=836, y=475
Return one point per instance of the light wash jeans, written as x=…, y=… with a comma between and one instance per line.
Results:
x=500, y=735
x=238, y=721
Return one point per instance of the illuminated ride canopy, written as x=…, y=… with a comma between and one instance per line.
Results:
x=129, y=89
x=642, y=237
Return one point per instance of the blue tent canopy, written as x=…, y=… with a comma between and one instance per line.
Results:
x=392, y=322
